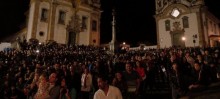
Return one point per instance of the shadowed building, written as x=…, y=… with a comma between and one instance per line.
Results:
x=64, y=21
x=185, y=23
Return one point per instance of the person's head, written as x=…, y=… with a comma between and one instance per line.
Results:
x=43, y=78
x=138, y=64
x=20, y=80
x=128, y=67
x=187, y=54
x=36, y=76
x=118, y=75
x=197, y=66
x=57, y=66
x=86, y=70
x=206, y=52
x=53, y=78
x=63, y=82
x=172, y=57
x=199, y=57
x=175, y=66
x=102, y=82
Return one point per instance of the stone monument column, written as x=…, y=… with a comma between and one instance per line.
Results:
x=113, y=44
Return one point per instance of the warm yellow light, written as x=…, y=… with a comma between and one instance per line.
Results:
x=183, y=38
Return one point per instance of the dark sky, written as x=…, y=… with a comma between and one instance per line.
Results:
x=134, y=19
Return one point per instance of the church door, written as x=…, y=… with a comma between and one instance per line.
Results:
x=177, y=40
x=72, y=38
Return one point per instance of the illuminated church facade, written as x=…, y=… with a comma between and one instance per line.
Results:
x=185, y=23
x=74, y=22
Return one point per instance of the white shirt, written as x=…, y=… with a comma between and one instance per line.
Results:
x=88, y=82
x=113, y=93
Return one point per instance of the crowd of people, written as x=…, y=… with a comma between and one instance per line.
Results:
x=54, y=71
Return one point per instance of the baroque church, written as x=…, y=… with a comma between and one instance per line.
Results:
x=63, y=21
x=186, y=23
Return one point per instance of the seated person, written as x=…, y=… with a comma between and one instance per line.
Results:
x=201, y=77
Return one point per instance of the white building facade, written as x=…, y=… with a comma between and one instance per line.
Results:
x=185, y=23
x=65, y=21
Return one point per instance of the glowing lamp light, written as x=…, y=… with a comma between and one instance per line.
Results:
x=183, y=38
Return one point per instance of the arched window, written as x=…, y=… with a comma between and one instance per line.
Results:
x=62, y=16
x=185, y=22
x=167, y=25
x=94, y=25
x=84, y=22
x=44, y=13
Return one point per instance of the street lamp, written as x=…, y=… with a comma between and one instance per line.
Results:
x=183, y=38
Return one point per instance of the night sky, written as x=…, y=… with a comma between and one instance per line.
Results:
x=134, y=19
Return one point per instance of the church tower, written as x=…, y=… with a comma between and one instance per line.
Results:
x=185, y=23
x=65, y=21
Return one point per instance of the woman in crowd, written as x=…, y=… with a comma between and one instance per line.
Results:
x=119, y=81
x=65, y=93
x=43, y=88
x=178, y=84
x=201, y=77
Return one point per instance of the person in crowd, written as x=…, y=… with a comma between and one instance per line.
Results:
x=31, y=89
x=64, y=90
x=54, y=88
x=119, y=82
x=201, y=77
x=43, y=91
x=189, y=59
x=133, y=81
x=86, y=84
x=75, y=80
x=106, y=91
x=177, y=81
x=70, y=61
x=141, y=72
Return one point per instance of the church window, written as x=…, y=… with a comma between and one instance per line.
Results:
x=94, y=25
x=185, y=20
x=167, y=25
x=41, y=33
x=44, y=13
x=84, y=22
x=62, y=16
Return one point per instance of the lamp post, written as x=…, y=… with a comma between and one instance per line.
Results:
x=183, y=39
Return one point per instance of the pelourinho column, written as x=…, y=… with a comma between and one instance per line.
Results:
x=113, y=44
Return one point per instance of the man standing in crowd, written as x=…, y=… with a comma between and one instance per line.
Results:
x=133, y=81
x=106, y=91
x=54, y=89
